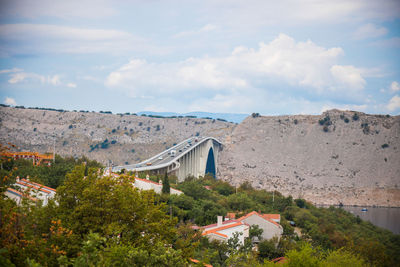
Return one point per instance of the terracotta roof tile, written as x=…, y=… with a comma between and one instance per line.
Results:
x=40, y=185
x=260, y=215
x=33, y=186
x=222, y=228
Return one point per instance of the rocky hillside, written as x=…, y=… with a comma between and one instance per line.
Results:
x=120, y=139
x=346, y=157
x=338, y=157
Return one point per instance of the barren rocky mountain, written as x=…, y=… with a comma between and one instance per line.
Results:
x=108, y=138
x=337, y=157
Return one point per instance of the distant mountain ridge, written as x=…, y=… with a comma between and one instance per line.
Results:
x=231, y=117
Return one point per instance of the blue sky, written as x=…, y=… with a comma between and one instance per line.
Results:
x=271, y=57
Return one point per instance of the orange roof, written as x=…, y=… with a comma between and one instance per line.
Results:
x=197, y=261
x=33, y=186
x=231, y=215
x=35, y=154
x=214, y=224
x=213, y=231
x=272, y=216
x=21, y=194
x=40, y=185
x=260, y=215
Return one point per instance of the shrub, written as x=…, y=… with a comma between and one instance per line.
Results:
x=34, y=129
x=295, y=121
x=70, y=127
x=385, y=146
x=113, y=130
x=355, y=117
x=255, y=115
x=113, y=142
x=346, y=120
x=326, y=129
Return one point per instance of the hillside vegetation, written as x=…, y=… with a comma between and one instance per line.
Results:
x=104, y=221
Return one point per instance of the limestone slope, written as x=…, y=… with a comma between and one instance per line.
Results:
x=108, y=138
x=354, y=162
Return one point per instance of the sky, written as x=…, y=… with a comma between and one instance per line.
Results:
x=271, y=57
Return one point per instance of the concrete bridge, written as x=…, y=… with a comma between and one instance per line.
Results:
x=195, y=156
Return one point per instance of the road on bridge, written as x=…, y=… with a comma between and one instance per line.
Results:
x=165, y=158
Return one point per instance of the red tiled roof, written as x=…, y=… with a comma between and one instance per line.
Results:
x=272, y=216
x=197, y=261
x=33, y=186
x=222, y=228
x=216, y=233
x=215, y=224
x=40, y=185
x=260, y=215
x=231, y=215
x=21, y=194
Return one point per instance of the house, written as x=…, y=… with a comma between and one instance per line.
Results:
x=268, y=222
x=147, y=184
x=31, y=190
x=223, y=230
x=17, y=196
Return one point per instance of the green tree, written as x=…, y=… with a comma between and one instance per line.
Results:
x=165, y=186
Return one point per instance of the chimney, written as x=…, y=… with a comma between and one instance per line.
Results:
x=219, y=221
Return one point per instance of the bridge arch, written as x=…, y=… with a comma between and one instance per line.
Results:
x=194, y=156
x=210, y=163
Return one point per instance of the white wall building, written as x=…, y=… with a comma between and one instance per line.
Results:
x=268, y=222
x=31, y=190
x=223, y=230
x=144, y=184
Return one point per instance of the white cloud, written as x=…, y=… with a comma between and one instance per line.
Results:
x=44, y=38
x=348, y=76
x=255, y=14
x=71, y=85
x=394, y=103
x=369, y=31
x=394, y=86
x=54, y=80
x=60, y=9
x=205, y=28
x=10, y=70
x=21, y=76
x=10, y=101
x=303, y=65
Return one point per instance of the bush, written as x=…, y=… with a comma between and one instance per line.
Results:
x=385, y=146
x=346, y=120
x=355, y=117
x=325, y=121
x=326, y=129
x=295, y=121
x=255, y=115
